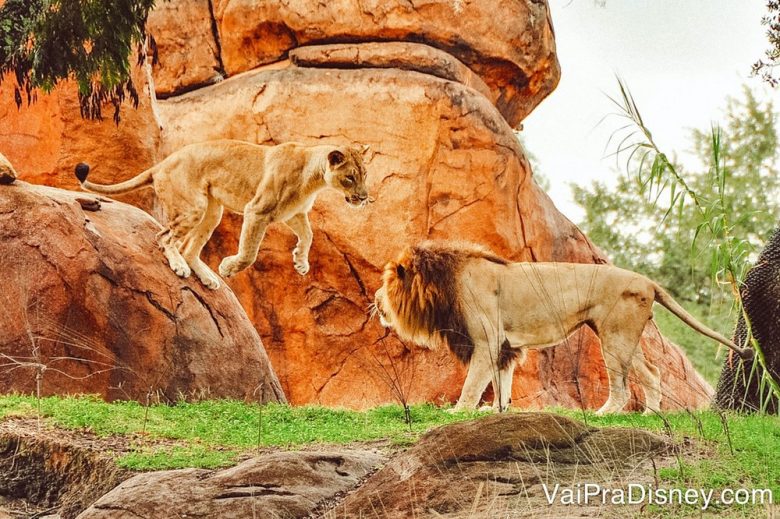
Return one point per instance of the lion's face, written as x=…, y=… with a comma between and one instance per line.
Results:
x=347, y=173
x=381, y=308
x=403, y=302
x=394, y=292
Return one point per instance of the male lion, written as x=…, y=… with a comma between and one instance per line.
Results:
x=489, y=310
x=264, y=183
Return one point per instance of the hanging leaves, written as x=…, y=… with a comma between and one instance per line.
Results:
x=43, y=42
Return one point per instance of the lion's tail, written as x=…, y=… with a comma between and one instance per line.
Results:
x=141, y=180
x=663, y=297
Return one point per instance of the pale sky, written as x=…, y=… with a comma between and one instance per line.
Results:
x=680, y=58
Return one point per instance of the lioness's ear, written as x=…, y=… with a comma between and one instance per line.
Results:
x=400, y=271
x=336, y=158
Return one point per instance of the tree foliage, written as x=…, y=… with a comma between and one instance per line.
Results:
x=43, y=42
x=723, y=208
x=629, y=219
x=765, y=67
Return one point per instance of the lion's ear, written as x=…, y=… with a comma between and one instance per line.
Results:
x=336, y=158
x=365, y=149
x=400, y=271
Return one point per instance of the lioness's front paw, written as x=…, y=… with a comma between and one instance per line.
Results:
x=231, y=266
x=301, y=266
x=300, y=260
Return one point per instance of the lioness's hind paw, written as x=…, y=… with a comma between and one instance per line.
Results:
x=210, y=281
x=181, y=269
x=231, y=266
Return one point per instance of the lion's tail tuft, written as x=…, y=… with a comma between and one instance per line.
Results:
x=82, y=172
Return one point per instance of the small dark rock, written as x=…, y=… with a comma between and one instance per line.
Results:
x=89, y=204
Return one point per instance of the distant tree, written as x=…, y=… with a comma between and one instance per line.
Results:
x=765, y=67
x=631, y=227
x=43, y=42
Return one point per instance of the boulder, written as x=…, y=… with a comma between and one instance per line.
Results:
x=514, y=53
x=397, y=55
x=496, y=466
x=188, y=54
x=280, y=485
x=89, y=306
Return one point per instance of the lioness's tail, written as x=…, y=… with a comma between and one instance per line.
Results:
x=663, y=297
x=82, y=170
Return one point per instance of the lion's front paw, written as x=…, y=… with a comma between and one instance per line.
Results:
x=488, y=409
x=231, y=266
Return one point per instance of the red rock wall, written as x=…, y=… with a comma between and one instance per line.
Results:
x=46, y=140
x=444, y=164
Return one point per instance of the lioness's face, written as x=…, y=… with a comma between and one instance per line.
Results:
x=347, y=173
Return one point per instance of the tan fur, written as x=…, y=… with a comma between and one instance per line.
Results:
x=7, y=172
x=266, y=184
x=489, y=311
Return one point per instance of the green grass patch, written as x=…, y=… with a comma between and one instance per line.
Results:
x=222, y=429
x=753, y=464
x=212, y=434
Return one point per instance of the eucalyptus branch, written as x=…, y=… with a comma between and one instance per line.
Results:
x=655, y=171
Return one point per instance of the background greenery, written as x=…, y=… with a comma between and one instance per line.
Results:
x=630, y=220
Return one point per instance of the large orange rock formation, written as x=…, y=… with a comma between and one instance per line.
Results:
x=435, y=88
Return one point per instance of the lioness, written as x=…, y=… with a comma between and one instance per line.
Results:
x=489, y=311
x=264, y=183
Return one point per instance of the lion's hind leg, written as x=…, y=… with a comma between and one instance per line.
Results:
x=650, y=380
x=508, y=358
x=196, y=239
x=184, y=212
x=618, y=347
x=167, y=242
